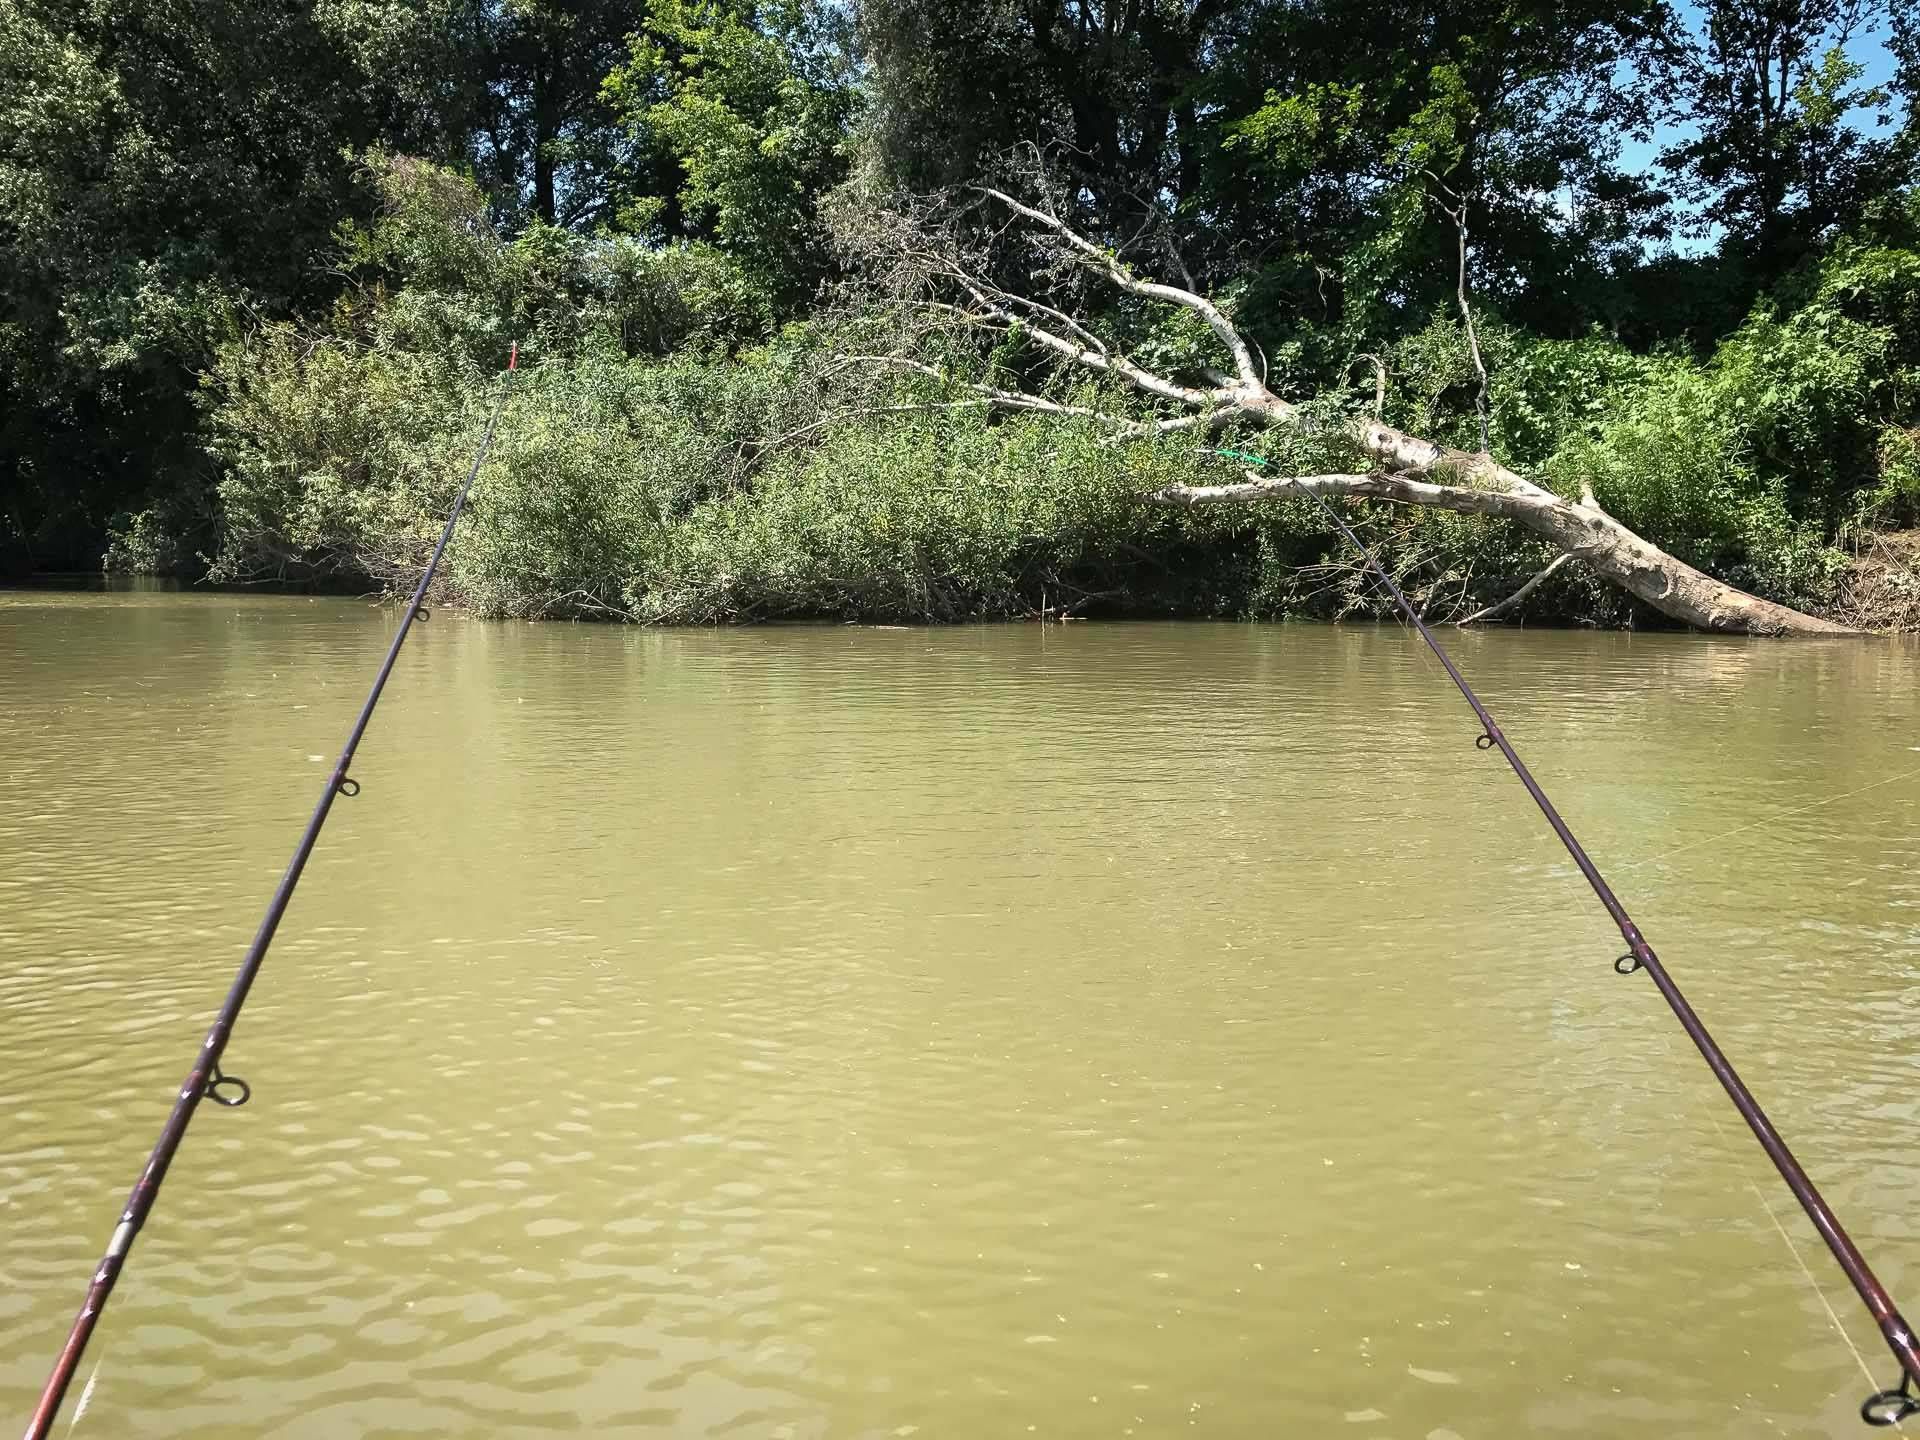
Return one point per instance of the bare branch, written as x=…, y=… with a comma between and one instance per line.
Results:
x=995, y=300
x=988, y=394
x=1457, y=212
x=1061, y=316
x=1379, y=382
x=1123, y=428
x=1501, y=607
x=1118, y=274
x=1101, y=360
x=1403, y=488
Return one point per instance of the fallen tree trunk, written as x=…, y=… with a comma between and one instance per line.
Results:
x=1671, y=586
x=1406, y=469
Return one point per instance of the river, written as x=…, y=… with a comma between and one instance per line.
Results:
x=820, y=1032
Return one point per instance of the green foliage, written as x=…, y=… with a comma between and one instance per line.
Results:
x=755, y=122
x=1776, y=158
x=655, y=464
x=1734, y=465
x=258, y=265
x=699, y=484
x=162, y=162
x=637, y=487
x=145, y=543
x=1749, y=464
x=1895, y=500
x=1289, y=135
x=336, y=446
x=435, y=274
x=940, y=519
x=1546, y=390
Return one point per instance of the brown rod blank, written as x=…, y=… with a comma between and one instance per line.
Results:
x=205, y=1081
x=1885, y=1407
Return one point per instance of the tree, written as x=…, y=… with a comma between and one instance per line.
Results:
x=547, y=134
x=1332, y=119
x=752, y=108
x=1273, y=148
x=1779, y=161
x=951, y=290
x=163, y=163
x=1109, y=79
x=425, y=91
x=508, y=88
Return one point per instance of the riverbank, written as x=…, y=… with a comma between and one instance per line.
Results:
x=1877, y=590
x=724, y=478
x=723, y=470
x=1280, y=569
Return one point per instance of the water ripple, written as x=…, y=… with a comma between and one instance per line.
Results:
x=831, y=1033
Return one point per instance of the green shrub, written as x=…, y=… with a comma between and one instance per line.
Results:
x=942, y=519
x=142, y=544
x=665, y=457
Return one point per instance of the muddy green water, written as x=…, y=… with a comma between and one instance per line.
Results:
x=1107, y=1031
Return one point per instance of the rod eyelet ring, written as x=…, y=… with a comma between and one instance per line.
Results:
x=228, y=1090
x=1626, y=964
x=1890, y=1407
x=423, y=614
x=348, y=786
x=1483, y=742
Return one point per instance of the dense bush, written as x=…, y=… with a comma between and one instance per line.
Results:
x=665, y=456
x=1758, y=463
x=646, y=488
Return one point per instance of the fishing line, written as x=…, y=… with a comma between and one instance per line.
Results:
x=206, y=1080
x=1898, y=1420
x=1813, y=1284
x=1786, y=1237
x=1884, y=1407
x=1769, y=820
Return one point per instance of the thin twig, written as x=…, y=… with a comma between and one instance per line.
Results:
x=1457, y=212
x=1379, y=382
x=1525, y=590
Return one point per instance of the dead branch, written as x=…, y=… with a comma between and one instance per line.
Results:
x=1503, y=606
x=1375, y=485
x=1404, y=468
x=1457, y=212
x=1103, y=262
x=1379, y=382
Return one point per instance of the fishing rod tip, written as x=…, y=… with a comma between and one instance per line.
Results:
x=513, y=356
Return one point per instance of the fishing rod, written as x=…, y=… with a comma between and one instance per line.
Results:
x=1883, y=1407
x=206, y=1081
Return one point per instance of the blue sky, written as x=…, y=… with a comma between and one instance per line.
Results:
x=1868, y=48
